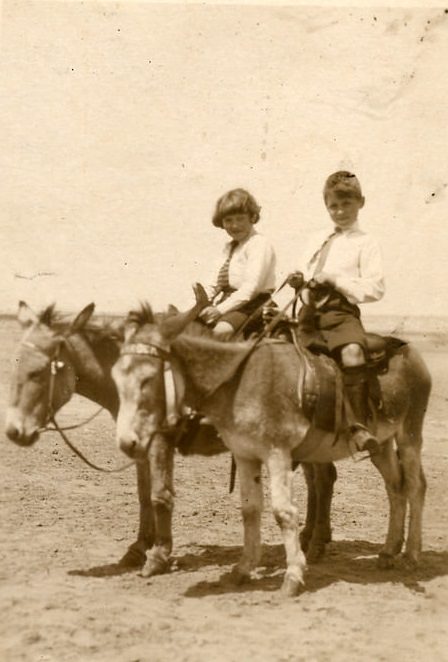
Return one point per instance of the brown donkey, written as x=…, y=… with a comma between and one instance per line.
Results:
x=250, y=395
x=56, y=359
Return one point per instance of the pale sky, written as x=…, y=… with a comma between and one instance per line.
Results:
x=123, y=122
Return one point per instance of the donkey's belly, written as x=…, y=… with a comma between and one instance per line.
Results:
x=245, y=446
x=322, y=446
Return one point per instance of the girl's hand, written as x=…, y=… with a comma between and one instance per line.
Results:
x=210, y=314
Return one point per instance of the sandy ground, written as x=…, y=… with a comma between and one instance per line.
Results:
x=63, y=526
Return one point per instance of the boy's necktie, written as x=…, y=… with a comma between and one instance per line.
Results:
x=322, y=253
x=222, y=282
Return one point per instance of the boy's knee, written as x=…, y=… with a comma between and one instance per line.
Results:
x=223, y=330
x=352, y=355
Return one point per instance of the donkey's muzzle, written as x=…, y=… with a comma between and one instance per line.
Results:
x=129, y=445
x=18, y=435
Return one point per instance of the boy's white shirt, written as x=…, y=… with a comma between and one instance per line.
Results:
x=251, y=271
x=354, y=259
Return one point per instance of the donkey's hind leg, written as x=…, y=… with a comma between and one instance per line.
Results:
x=388, y=464
x=320, y=479
x=415, y=486
x=311, y=506
x=409, y=442
x=280, y=474
x=249, y=474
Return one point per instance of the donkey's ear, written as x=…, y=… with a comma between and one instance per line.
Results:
x=172, y=325
x=25, y=315
x=201, y=296
x=82, y=318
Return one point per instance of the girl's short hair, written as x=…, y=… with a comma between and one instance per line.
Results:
x=237, y=201
x=343, y=182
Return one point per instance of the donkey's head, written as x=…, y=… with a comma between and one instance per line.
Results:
x=44, y=378
x=139, y=374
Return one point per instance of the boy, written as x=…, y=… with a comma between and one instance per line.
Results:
x=349, y=261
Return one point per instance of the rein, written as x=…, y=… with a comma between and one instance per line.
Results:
x=80, y=455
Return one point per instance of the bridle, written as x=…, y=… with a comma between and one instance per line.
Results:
x=56, y=365
x=175, y=424
x=145, y=349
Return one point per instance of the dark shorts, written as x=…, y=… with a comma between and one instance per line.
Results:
x=236, y=318
x=331, y=327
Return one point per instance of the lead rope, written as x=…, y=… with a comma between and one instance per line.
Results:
x=74, y=427
x=77, y=452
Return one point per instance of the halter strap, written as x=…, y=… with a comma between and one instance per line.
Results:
x=145, y=349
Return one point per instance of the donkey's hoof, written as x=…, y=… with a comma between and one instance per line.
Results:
x=411, y=560
x=238, y=577
x=156, y=566
x=316, y=551
x=291, y=587
x=385, y=561
x=134, y=558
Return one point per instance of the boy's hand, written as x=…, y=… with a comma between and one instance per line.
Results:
x=325, y=278
x=295, y=280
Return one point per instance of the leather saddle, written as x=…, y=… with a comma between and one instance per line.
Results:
x=320, y=388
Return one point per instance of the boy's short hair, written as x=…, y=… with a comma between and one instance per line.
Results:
x=343, y=182
x=237, y=201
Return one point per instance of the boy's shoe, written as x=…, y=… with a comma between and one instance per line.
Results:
x=362, y=440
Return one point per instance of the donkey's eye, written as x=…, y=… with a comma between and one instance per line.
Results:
x=145, y=382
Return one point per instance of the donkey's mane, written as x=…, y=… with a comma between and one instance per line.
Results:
x=195, y=330
x=50, y=316
x=144, y=315
x=97, y=330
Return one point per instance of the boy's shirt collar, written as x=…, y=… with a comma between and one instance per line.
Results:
x=353, y=228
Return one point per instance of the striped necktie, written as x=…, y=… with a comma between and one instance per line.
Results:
x=322, y=253
x=222, y=282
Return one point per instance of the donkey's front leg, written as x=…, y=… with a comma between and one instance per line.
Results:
x=249, y=474
x=280, y=474
x=135, y=557
x=161, y=456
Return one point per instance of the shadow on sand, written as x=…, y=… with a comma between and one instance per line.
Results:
x=130, y=562
x=108, y=570
x=351, y=561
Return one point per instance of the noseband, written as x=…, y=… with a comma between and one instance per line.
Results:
x=145, y=349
